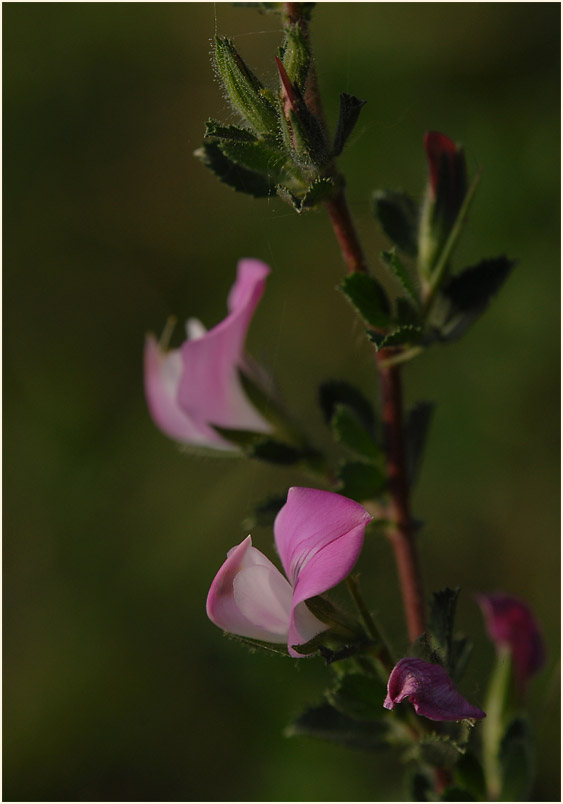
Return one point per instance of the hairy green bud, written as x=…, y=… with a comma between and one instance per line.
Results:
x=245, y=92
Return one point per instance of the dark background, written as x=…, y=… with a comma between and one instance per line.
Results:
x=116, y=686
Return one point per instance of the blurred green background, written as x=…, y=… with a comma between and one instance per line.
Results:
x=116, y=686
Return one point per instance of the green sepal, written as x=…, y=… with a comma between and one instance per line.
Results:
x=316, y=193
x=468, y=294
x=416, y=433
x=358, y=696
x=295, y=54
x=361, y=481
x=516, y=761
x=420, y=787
x=256, y=645
x=327, y=723
x=396, y=267
x=269, y=408
x=398, y=215
x=350, y=431
x=272, y=451
x=262, y=447
x=238, y=178
x=244, y=90
x=408, y=335
x=340, y=622
x=437, y=750
x=468, y=775
x=240, y=438
x=441, y=624
x=258, y=157
x=350, y=108
x=215, y=129
x=333, y=393
x=264, y=512
x=368, y=298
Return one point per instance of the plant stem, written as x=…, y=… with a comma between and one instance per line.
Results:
x=401, y=533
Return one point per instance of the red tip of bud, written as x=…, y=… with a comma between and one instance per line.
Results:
x=438, y=146
x=289, y=90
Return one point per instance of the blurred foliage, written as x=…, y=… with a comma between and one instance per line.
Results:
x=116, y=685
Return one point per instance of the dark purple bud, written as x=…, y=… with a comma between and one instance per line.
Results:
x=448, y=177
x=512, y=625
x=430, y=690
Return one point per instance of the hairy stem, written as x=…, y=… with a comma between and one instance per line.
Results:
x=401, y=533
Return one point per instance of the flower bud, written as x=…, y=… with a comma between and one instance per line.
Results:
x=445, y=194
x=430, y=690
x=245, y=92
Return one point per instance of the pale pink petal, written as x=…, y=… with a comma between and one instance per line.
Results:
x=263, y=596
x=319, y=536
x=249, y=584
x=209, y=390
x=430, y=690
x=162, y=370
x=511, y=624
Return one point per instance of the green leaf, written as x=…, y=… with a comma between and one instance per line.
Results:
x=368, y=297
x=416, y=432
x=215, y=129
x=327, y=723
x=468, y=294
x=361, y=481
x=350, y=108
x=258, y=157
x=394, y=264
x=441, y=623
x=398, y=215
x=350, y=431
x=333, y=393
x=243, y=88
x=402, y=336
x=227, y=171
x=516, y=761
x=264, y=512
x=358, y=696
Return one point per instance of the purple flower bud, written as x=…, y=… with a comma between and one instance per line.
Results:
x=511, y=625
x=430, y=690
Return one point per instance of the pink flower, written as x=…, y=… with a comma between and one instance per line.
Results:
x=319, y=536
x=190, y=388
x=511, y=625
x=430, y=690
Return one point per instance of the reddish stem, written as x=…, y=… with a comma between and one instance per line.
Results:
x=402, y=535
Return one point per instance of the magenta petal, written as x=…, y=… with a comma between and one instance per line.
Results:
x=430, y=690
x=319, y=536
x=209, y=390
x=511, y=624
x=249, y=596
x=162, y=370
